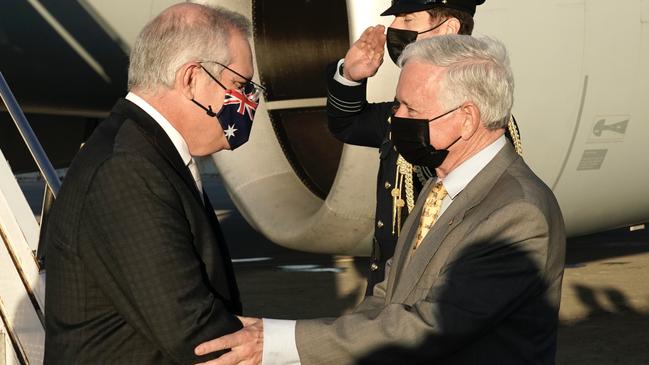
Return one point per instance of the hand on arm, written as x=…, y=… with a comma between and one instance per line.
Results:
x=246, y=345
x=366, y=54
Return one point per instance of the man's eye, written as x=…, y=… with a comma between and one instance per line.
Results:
x=395, y=106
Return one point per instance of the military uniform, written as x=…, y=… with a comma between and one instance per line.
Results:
x=355, y=121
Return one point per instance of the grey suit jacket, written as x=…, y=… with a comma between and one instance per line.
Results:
x=483, y=287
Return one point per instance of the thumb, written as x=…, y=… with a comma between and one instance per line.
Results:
x=247, y=321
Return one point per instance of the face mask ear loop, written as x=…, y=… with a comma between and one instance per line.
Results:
x=208, y=110
x=433, y=28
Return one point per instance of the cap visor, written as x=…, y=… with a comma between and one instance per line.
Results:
x=397, y=9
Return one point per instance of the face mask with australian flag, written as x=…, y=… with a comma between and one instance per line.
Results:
x=238, y=111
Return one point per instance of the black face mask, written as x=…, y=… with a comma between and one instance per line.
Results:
x=398, y=39
x=412, y=139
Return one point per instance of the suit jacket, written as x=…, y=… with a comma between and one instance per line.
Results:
x=482, y=288
x=138, y=271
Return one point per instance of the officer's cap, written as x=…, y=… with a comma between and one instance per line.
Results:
x=411, y=6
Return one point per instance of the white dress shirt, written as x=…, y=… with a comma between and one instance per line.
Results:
x=341, y=79
x=279, y=335
x=175, y=136
x=462, y=175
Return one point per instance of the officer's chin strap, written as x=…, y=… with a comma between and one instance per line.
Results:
x=516, y=137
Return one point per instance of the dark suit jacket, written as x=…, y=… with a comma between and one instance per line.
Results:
x=138, y=271
x=482, y=288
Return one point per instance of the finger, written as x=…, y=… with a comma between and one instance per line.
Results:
x=247, y=321
x=378, y=41
x=367, y=31
x=221, y=343
x=363, y=36
x=378, y=30
x=229, y=358
x=379, y=44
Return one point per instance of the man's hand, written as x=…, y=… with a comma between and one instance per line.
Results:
x=366, y=54
x=246, y=345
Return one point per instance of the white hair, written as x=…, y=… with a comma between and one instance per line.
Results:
x=172, y=39
x=477, y=70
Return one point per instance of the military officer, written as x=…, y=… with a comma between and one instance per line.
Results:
x=355, y=121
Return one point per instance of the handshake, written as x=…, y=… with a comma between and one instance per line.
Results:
x=246, y=345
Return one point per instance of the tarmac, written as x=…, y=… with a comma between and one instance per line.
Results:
x=604, y=315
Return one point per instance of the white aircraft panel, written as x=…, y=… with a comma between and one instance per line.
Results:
x=124, y=19
x=600, y=185
x=545, y=44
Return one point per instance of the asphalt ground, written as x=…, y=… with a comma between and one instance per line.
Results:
x=605, y=299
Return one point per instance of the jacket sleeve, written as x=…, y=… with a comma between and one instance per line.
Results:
x=476, y=289
x=351, y=118
x=142, y=257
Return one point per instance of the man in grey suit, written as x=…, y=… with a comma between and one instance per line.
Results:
x=138, y=271
x=476, y=278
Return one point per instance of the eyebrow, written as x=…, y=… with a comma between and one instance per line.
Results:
x=245, y=79
x=407, y=105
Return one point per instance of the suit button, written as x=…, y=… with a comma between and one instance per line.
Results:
x=374, y=267
x=379, y=224
x=387, y=185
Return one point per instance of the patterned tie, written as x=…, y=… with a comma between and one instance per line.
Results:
x=193, y=168
x=430, y=212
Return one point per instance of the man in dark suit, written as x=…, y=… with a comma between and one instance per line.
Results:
x=138, y=271
x=476, y=276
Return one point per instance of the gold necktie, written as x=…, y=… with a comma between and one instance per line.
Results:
x=430, y=212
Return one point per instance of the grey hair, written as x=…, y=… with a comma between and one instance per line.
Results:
x=477, y=70
x=172, y=39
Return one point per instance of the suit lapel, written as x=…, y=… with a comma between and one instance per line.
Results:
x=413, y=271
x=407, y=277
x=408, y=232
x=160, y=140
x=230, y=279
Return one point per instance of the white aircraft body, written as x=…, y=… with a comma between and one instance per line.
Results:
x=581, y=105
x=580, y=102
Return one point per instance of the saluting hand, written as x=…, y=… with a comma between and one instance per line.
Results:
x=246, y=345
x=366, y=54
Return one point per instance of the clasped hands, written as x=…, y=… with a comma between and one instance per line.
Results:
x=246, y=345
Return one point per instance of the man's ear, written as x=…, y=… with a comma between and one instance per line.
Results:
x=452, y=26
x=186, y=79
x=471, y=121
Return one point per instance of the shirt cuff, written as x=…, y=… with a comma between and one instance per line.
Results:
x=279, y=343
x=341, y=79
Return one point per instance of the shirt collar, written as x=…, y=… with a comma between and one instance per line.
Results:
x=462, y=175
x=175, y=136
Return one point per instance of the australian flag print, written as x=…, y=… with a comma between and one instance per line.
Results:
x=236, y=116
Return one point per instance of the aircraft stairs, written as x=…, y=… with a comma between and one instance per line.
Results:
x=22, y=271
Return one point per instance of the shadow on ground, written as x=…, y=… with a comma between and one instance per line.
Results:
x=606, y=336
